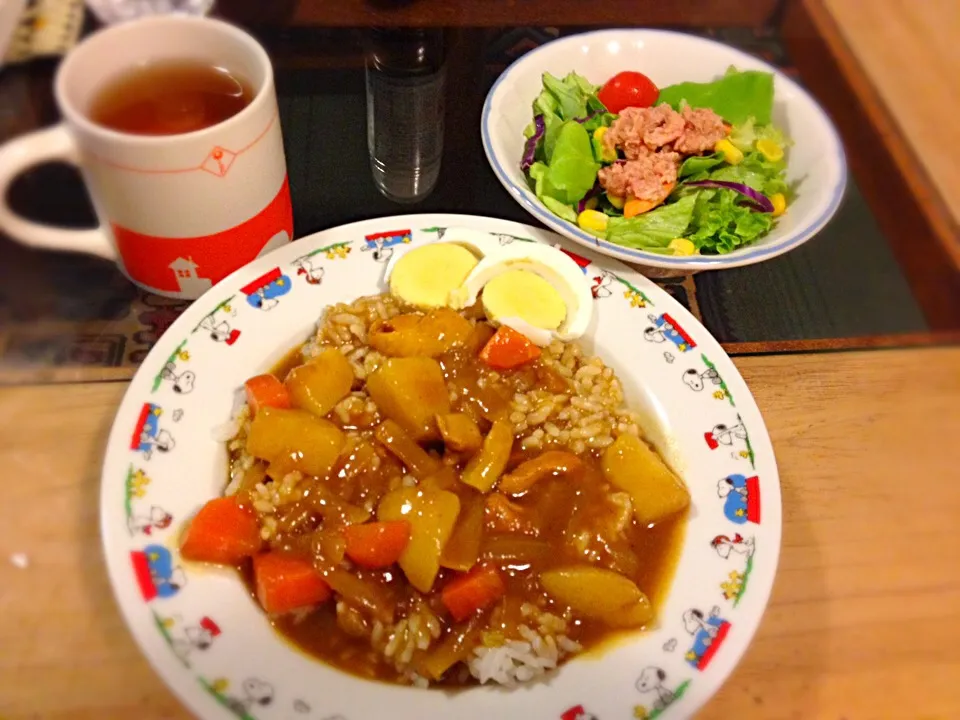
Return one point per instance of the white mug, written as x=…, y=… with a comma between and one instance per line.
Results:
x=177, y=212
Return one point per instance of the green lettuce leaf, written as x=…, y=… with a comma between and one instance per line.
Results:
x=741, y=174
x=754, y=170
x=653, y=230
x=570, y=98
x=537, y=172
x=602, y=119
x=571, y=101
x=561, y=100
x=582, y=84
x=736, y=97
x=564, y=212
x=696, y=164
x=746, y=134
x=572, y=169
x=552, y=123
x=720, y=225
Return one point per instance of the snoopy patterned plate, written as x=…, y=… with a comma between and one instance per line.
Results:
x=206, y=636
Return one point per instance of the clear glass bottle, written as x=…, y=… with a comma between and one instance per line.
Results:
x=405, y=104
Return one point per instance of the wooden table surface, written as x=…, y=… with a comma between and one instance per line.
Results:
x=909, y=50
x=864, y=620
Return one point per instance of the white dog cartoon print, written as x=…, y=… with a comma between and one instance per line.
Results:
x=156, y=519
x=651, y=681
x=723, y=435
x=254, y=693
x=602, y=286
x=708, y=634
x=311, y=273
x=697, y=380
x=148, y=435
x=220, y=332
x=380, y=245
x=182, y=382
x=194, y=637
x=724, y=545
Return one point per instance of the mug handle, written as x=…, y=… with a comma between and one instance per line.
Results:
x=55, y=143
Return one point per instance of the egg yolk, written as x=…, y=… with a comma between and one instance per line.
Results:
x=426, y=275
x=526, y=295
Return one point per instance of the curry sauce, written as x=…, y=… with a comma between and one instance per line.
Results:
x=563, y=519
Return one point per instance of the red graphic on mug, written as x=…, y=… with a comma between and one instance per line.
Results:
x=263, y=292
x=218, y=161
x=192, y=265
x=185, y=270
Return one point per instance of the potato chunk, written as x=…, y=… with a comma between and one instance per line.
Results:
x=413, y=334
x=432, y=515
x=411, y=392
x=600, y=594
x=463, y=549
x=295, y=439
x=485, y=468
x=630, y=465
x=460, y=432
x=320, y=384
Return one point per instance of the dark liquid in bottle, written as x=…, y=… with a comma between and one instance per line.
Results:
x=170, y=98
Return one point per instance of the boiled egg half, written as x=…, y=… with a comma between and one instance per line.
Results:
x=535, y=289
x=425, y=275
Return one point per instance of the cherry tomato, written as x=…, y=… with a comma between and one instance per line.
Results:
x=628, y=89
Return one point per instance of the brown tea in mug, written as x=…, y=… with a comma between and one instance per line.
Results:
x=170, y=98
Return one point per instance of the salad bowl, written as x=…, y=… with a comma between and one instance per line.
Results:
x=813, y=168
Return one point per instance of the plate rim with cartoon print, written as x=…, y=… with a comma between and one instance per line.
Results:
x=204, y=635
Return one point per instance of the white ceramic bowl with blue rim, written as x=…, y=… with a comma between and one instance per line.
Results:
x=816, y=160
x=206, y=636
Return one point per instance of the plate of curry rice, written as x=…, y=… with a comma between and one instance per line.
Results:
x=434, y=466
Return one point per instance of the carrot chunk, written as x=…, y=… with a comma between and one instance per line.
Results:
x=508, y=349
x=473, y=591
x=223, y=531
x=377, y=544
x=285, y=583
x=266, y=391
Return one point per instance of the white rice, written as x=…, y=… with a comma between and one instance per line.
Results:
x=539, y=650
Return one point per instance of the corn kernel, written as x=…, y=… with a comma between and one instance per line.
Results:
x=607, y=154
x=731, y=153
x=616, y=201
x=591, y=204
x=492, y=638
x=592, y=220
x=779, y=204
x=770, y=150
x=682, y=246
